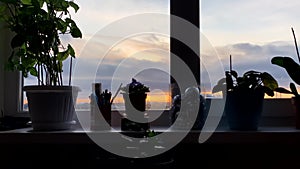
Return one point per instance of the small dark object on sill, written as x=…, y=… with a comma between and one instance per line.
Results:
x=11, y=123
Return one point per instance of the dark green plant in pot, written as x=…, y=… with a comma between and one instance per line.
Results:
x=244, y=97
x=251, y=81
x=37, y=50
x=293, y=70
x=135, y=94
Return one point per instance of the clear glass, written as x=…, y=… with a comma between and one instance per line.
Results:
x=93, y=17
x=253, y=32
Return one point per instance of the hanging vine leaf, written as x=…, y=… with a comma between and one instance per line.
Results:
x=253, y=80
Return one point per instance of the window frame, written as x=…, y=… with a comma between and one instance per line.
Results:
x=11, y=93
x=11, y=82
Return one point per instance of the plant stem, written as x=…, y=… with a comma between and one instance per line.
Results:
x=60, y=73
x=39, y=75
x=230, y=63
x=61, y=79
x=296, y=45
x=70, y=75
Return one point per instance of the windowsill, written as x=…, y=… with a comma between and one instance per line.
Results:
x=264, y=135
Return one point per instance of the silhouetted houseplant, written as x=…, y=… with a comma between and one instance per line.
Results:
x=244, y=97
x=135, y=94
x=293, y=70
x=37, y=50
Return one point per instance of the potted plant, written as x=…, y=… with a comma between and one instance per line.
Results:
x=37, y=50
x=293, y=70
x=135, y=94
x=244, y=97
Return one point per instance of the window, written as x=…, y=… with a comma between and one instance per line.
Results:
x=10, y=96
x=137, y=50
x=252, y=32
x=252, y=38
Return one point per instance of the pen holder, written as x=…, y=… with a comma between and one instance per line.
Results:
x=106, y=112
x=100, y=105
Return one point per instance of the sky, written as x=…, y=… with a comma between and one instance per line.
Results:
x=251, y=31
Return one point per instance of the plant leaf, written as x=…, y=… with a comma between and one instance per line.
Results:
x=283, y=90
x=75, y=32
x=61, y=56
x=71, y=51
x=9, y=1
x=229, y=81
x=62, y=25
x=2, y=8
x=26, y=2
x=17, y=41
x=74, y=6
x=268, y=91
x=294, y=89
x=218, y=88
x=234, y=74
x=292, y=68
x=251, y=72
x=269, y=81
x=33, y=71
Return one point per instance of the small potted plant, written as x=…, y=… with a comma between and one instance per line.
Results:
x=135, y=94
x=37, y=50
x=244, y=97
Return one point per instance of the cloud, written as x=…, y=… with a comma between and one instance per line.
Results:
x=108, y=75
x=248, y=56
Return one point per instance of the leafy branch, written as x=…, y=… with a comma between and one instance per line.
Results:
x=37, y=48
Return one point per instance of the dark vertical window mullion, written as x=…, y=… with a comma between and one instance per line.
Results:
x=188, y=10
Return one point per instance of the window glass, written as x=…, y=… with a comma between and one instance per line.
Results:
x=127, y=53
x=252, y=32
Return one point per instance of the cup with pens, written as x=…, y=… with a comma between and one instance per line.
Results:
x=104, y=101
x=104, y=105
